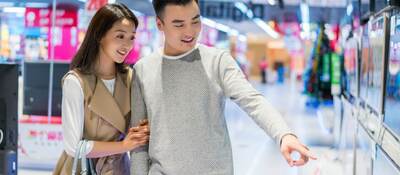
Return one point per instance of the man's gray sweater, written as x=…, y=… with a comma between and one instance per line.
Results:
x=184, y=101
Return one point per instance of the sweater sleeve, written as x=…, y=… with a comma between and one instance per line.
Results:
x=238, y=89
x=139, y=156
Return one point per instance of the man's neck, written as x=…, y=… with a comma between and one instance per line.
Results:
x=177, y=55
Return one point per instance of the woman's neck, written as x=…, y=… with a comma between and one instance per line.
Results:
x=105, y=68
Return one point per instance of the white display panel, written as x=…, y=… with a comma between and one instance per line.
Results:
x=383, y=165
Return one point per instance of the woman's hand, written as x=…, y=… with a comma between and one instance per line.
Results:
x=137, y=136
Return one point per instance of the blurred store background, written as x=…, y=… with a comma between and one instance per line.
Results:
x=331, y=67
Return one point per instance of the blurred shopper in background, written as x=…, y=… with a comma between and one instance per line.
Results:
x=263, y=70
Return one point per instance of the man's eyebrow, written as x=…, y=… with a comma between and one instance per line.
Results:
x=196, y=17
x=178, y=21
x=181, y=21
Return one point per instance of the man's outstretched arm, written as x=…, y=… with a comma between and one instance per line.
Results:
x=238, y=89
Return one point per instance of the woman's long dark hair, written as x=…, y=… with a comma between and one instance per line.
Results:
x=86, y=57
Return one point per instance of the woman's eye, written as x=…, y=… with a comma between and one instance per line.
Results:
x=120, y=36
x=133, y=38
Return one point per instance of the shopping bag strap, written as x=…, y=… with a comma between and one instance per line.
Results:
x=76, y=158
x=84, y=162
x=91, y=167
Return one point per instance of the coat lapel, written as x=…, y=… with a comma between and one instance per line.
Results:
x=111, y=109
x=122, y=94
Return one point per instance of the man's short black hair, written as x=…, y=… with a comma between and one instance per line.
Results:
x=159, y=5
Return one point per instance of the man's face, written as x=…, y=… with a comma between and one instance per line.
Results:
x=181, y=26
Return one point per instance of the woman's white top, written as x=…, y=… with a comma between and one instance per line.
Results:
x=73, y=113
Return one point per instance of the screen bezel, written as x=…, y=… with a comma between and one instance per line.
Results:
x=383, y=19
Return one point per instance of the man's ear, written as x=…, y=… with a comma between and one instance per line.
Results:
x=160, y=24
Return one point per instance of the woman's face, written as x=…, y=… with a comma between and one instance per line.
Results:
x=118, y=41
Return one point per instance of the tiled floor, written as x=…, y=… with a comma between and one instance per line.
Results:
x=256, y=154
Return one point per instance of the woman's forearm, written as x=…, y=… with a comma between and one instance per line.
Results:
x=101, y=149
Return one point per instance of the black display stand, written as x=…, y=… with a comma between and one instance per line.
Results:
x=8, y=118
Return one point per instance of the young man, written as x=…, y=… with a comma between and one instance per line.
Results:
x=181, y=90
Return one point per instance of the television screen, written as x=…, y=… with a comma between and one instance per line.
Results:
x=36, y=88
x=375, y=67
x=364, y=8
x=392, y=98
x=350, y=66
x=380, y=4
x=364, y=63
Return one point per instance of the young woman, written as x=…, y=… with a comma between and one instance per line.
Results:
x=96, y=95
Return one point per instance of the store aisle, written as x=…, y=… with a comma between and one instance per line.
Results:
x=256, y=154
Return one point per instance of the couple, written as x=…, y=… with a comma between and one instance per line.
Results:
x=169, y=111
